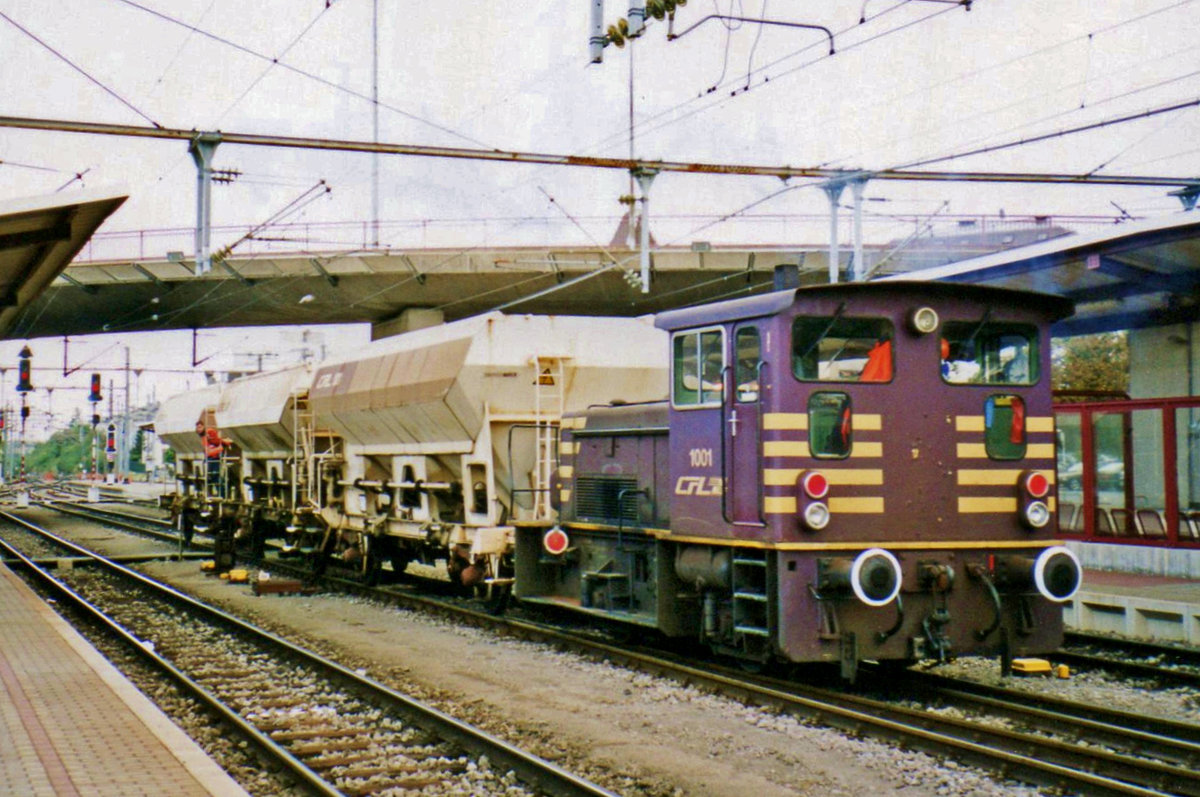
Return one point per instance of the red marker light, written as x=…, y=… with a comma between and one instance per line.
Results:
x=815, y=485
x=556, y=541
x=1037, y=485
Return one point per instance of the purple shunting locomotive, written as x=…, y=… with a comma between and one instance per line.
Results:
x=840, y=473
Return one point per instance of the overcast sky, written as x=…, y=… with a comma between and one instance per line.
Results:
x=917, y=80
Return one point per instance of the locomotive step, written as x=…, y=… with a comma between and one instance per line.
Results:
x=751, y=630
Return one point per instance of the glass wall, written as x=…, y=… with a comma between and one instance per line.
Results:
x=1115, y=460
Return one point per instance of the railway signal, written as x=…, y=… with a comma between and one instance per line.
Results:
x=24, y=366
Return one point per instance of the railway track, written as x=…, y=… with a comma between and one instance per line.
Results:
x=1059, y=744
x=1168, y=664
x=336, y=731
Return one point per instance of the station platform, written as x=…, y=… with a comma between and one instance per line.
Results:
x=1139, y=605
x=72, y=724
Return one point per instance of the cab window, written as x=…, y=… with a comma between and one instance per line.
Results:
x=749, y=355
x=697, y=367
x=841, y=349
x=829, y=425
x=1004, y=427
x=989, y=353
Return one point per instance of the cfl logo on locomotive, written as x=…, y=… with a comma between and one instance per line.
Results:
x=698, y=485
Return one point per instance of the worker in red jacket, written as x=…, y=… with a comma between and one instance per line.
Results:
x=214, y=447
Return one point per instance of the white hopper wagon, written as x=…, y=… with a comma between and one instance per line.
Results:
x=259, y=413
x=175, y=424
x=263, y=414
x=449, y=434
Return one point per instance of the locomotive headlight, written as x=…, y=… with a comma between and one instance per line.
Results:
x=1036, y=514
x=816, y=516
x=923, y=320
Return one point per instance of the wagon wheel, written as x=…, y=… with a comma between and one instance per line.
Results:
x=318, y=557
x=497, y=597
x=186, y=530
x=400, y=561
x=370, y=566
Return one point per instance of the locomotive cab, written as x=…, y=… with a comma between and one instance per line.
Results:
x=879, y=461
x=846, y=472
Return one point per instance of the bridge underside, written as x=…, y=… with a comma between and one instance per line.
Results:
x=379, y=287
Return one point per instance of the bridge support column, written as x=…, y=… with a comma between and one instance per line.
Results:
x=410, y=319
x=645, y=177
x=860, y=267
x=833, y=190
x=202, y=149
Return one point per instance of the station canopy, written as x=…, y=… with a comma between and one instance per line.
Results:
x=1136, y=274
x=38, y=238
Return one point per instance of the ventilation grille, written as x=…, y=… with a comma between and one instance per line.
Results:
x=596, y=499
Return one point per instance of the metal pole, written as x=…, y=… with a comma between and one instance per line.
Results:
x=597, y=40
x=202, y=148
x=834, y=192
x=3, y=431
x=860, y=268
x=645, y=177
x=123, y=456
x=375, y=121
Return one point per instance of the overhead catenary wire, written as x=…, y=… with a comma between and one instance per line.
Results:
x=1192, y=103
x=91, y=78
x=614, y=138
x=994, y=133
x=177, y=52
x=274, y=63
x=973, y=74
x=301, y=72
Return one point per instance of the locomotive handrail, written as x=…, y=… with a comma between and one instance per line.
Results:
x=726, y=469
x=621, y=495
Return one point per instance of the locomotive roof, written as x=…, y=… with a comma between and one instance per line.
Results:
x=1051, y=306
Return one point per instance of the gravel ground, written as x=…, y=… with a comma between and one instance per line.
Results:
x=634, y=733
x=1098, y=688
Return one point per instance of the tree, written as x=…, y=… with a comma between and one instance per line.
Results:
x=65, y=453
x=135, y=453
x=1091, y=362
